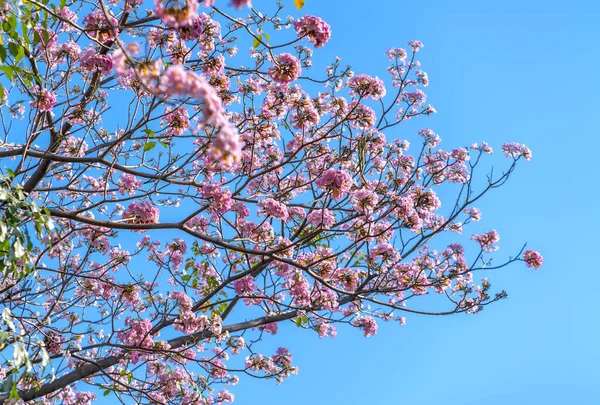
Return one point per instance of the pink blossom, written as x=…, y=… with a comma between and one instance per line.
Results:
x=269, y=328
x=176, y=14
x=286, y=68
x=241, y=3
x=473, y=213
x=95, y=62
x=337, y=181
x=368, y=325
x=361, y=116
x=396, y=53
x=314, y=29
x=66, y=14
x=176, y=120
x=128, y=183
x=102, y=29
x=364, y=200
x=220, y=198
x=487, y=240
x=366, y=87
x=142, y=212
x=226, y=149
x=275, y=209
x=515, y=150
x=415, y=45
x=42, y=99
x=53, y=342
x=533, y=259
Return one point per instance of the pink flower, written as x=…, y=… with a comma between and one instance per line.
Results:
x=415, y=45
x=337, y=181
x=361, y=116
x=53, y=342
x=240, y=3
x=226, y=149
x=515, y=150
x=314, y=29
x=143, y=212
x=533, y=259
x=368, y=325
x=102, y=29
x=487, y=240
x=44, y=100
x=286, y=68
x=430, y=138
x=67, y=15
x=396, y=53
x=225, y=396
x=366, y=87
x=364, y=200
x=473, y=213
x=245, y=288
x=269, y=328
x=138, y=334
x=176, y=14
x=220, y=198
x=177, y=121
x=128, y=183
x=275, y=209
x=94, y=62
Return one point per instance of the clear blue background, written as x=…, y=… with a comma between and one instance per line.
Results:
x=522, y=71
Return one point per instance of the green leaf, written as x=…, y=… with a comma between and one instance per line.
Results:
x=107, y=392
x=13, y=49
x=267, y=37
x=9, y=71
x=257, y=41
x=149, y=146
x=2, y=54
x=149, y=132
x=299, y=4
x=20, y=54
x=14, y=394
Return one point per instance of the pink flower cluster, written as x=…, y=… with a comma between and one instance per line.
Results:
x=314, y=29
x=95, y=62
x=275, y=209
x=220, y=198
x=367, y=323
x=245, y=287
x=533, y=259
x=515, y=150
x=102, y=29
x=68, y=15
x=320, y=217
x=53, y=342
x=141, y=212
x=128, y=183
x=337, y=181
x=42, y=99
x=241, y=3
x=487, y=240
x=176, y=14
x=176, y=120
x=366, y=87
x=226, y=149
x=286, y=68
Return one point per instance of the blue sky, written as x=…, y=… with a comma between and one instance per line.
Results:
x=523, y=71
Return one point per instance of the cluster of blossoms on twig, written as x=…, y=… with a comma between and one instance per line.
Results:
x=192, y=184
